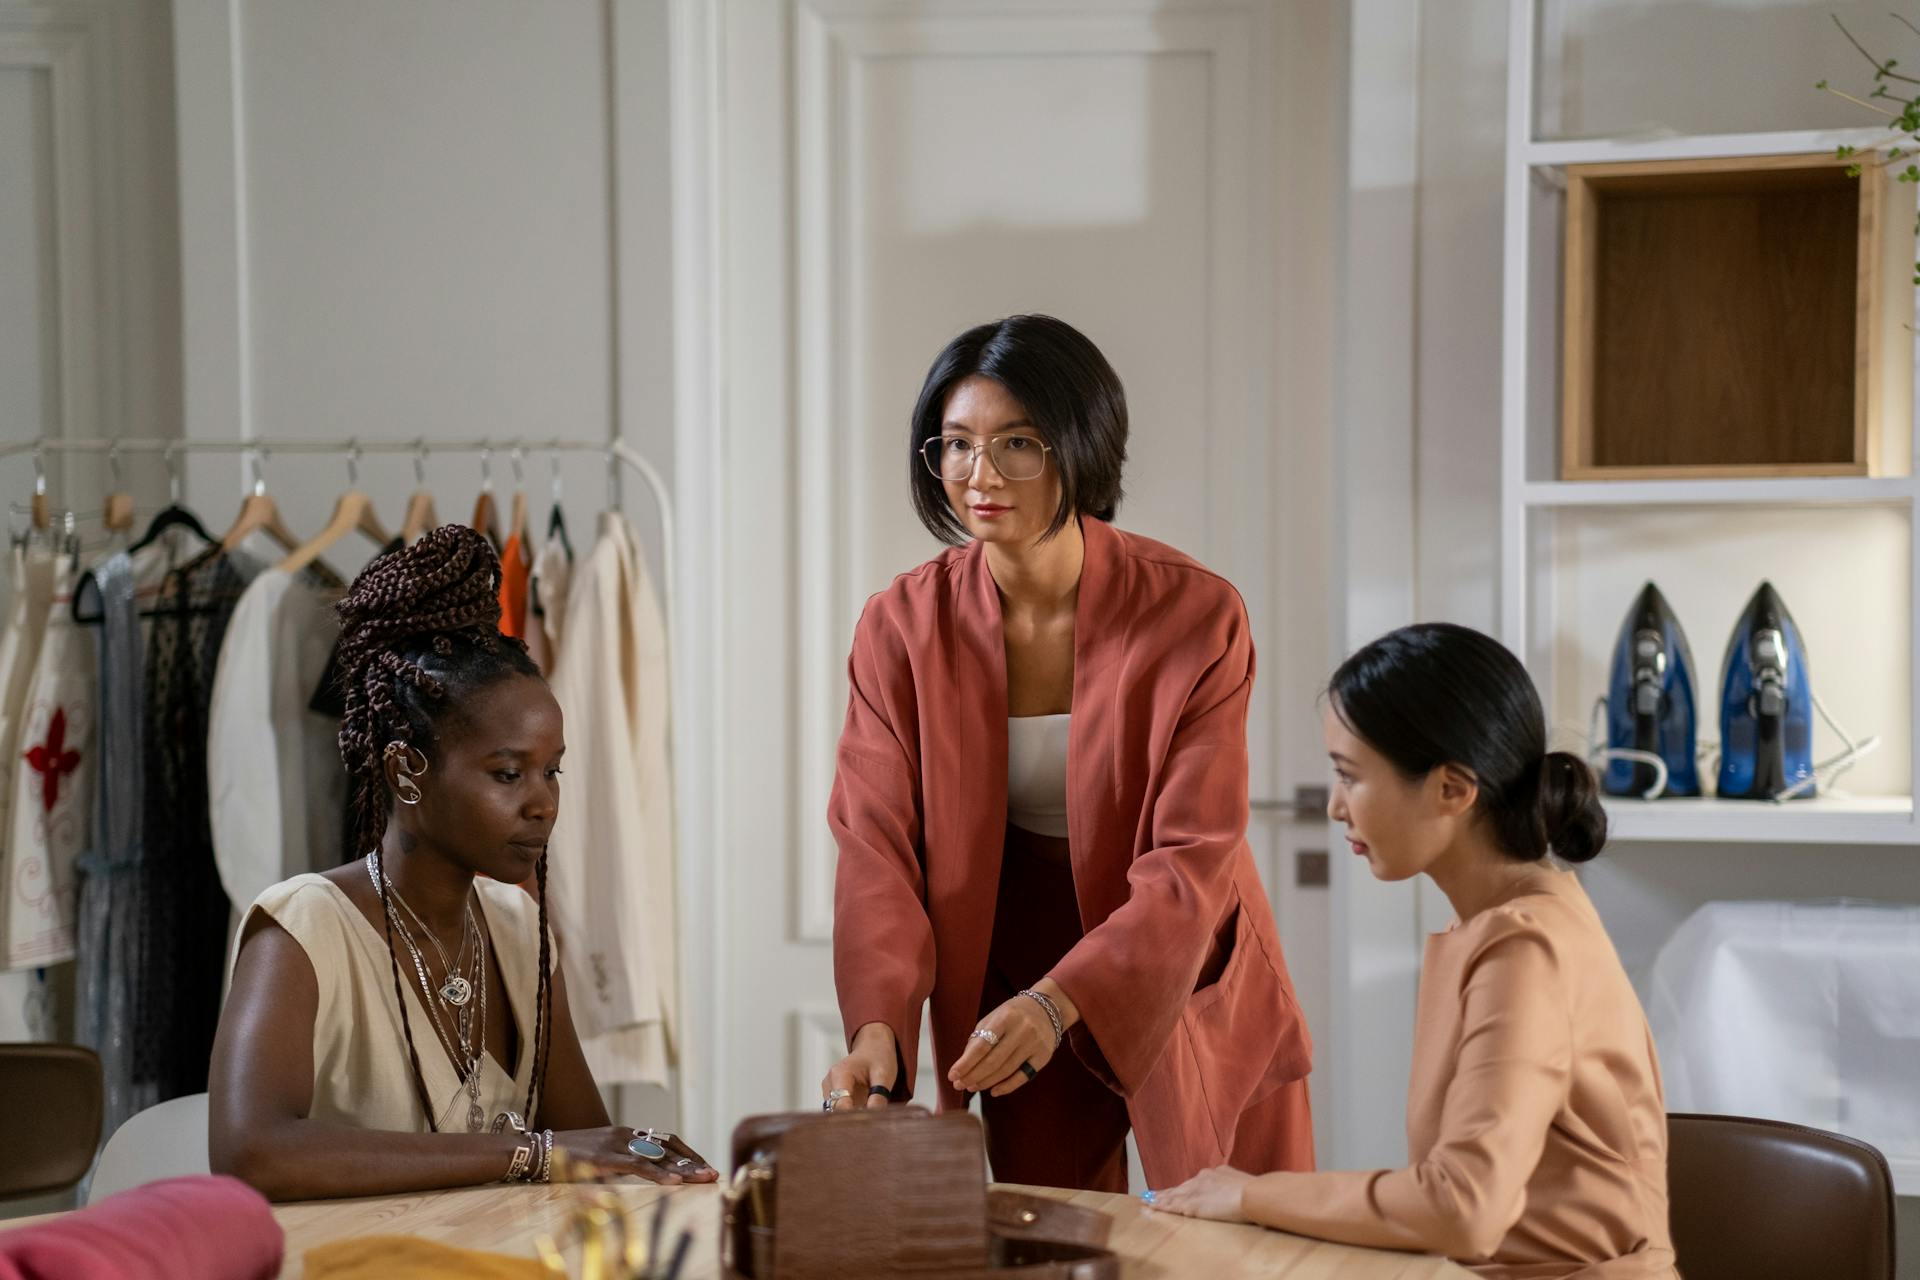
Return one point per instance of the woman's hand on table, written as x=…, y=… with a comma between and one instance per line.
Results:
x=607, y=1151
x=1018, y=1033
x=870, y=1062
x=1211, y=1193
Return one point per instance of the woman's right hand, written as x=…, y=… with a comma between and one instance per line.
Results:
x=606, y=1150
x=872, y=1060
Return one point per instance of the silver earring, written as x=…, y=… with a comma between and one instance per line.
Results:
x=404, y=786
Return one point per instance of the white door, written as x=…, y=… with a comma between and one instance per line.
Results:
x=858, y=182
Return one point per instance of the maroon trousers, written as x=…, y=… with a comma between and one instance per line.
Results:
x=1065, y=1127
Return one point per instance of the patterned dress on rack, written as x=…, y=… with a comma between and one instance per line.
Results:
x=177, y=995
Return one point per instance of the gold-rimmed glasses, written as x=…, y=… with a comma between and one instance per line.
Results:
x=1015, y=457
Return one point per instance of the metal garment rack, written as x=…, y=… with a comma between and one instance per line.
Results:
x=420, y=448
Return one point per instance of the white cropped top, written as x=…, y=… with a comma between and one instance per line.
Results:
x=1037, y=773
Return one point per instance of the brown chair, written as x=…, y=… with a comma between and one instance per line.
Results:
x=58, y=1101
x=1762, y=1198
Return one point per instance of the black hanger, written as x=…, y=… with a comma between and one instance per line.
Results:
x=170, y=516
x=557, y=523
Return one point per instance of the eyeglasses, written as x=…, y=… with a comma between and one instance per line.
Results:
x=952, y=458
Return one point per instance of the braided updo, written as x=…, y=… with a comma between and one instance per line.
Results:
x=419, y=629
x=419, y=635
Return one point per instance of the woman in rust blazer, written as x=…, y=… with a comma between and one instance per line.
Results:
x=1041, y=805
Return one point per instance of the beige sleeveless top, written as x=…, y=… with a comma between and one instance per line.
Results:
x=361, y=1075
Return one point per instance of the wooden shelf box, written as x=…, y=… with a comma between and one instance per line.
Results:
x=1734, y=317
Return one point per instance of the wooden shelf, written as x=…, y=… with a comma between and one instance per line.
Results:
x=1838, y=491
x=1722, y=316
x=1633, y=150
x=1853, y=820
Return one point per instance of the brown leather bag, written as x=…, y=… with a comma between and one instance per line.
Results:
x=819, y=1196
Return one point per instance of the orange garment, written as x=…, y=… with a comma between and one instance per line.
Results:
x=1157, y=809
x=514, y=568
x=1536, y=1125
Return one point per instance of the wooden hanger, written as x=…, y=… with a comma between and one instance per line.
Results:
x=42, y=515
x=259, y=514
x=517, y=521
x=353, y=512
x=485, y=519
x=420, y=513
x=117, y=512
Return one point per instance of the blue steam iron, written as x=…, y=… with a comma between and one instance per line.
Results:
x=1766, y=704
x=1650, y=702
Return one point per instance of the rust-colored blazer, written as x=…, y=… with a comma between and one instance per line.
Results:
x=1157, y=815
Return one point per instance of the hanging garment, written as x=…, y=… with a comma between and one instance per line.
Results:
x=52, y=801
x=177, y=997
x=274, y=779
x=110, y=917
x=514, y=570
x=610, y=882
x=547, y=594
x=30, y=1005
x=19, y=651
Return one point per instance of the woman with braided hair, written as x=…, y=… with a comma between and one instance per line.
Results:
x=401, y=1023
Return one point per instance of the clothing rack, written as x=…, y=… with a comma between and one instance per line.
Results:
x=420, y=447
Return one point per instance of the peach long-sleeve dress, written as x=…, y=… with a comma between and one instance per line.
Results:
x=1536, y=1126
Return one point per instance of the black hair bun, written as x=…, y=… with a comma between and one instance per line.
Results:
x=1570, y=809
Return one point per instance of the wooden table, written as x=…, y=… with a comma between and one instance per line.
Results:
x=1154, y=1245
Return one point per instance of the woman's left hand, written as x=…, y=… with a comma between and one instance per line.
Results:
x=1211, y=1193
x=1024, y=1034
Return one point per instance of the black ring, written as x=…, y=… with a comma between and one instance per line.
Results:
x=881, y=1091
x=1027, y=1069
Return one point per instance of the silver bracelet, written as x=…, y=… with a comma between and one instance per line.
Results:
x=517, y=1171
x=1053, y=1015
x=546, y=1157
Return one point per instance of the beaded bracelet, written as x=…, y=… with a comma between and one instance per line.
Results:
x=1053, y=1015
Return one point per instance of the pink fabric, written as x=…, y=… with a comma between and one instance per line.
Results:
x=199, y=1228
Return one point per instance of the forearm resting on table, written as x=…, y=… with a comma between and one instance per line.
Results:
x=315, y=1160
x=1426, y=1208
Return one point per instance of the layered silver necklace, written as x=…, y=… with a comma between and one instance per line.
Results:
x=461, y=994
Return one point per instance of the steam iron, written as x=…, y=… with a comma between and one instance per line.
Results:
x=1766, y=705
x=1650, y=703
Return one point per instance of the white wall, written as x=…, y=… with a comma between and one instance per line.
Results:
x=89, y=298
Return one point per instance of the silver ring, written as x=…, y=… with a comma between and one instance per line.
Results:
x=992, y=1038
x=834, y=1097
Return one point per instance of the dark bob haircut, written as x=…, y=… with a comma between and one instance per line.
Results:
x=1437, y=694
x=1071, y=394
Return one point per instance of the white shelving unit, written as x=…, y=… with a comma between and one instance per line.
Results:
x=1548, y=525
x=1530, y=500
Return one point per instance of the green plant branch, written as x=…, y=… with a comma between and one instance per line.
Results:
x=1880, y=69
x=1858, y=102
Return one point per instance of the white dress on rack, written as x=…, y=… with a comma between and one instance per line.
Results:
x=26, y=1001
x=275, y=783
x=610, y=879
x=51, y=807
x=19, y=651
